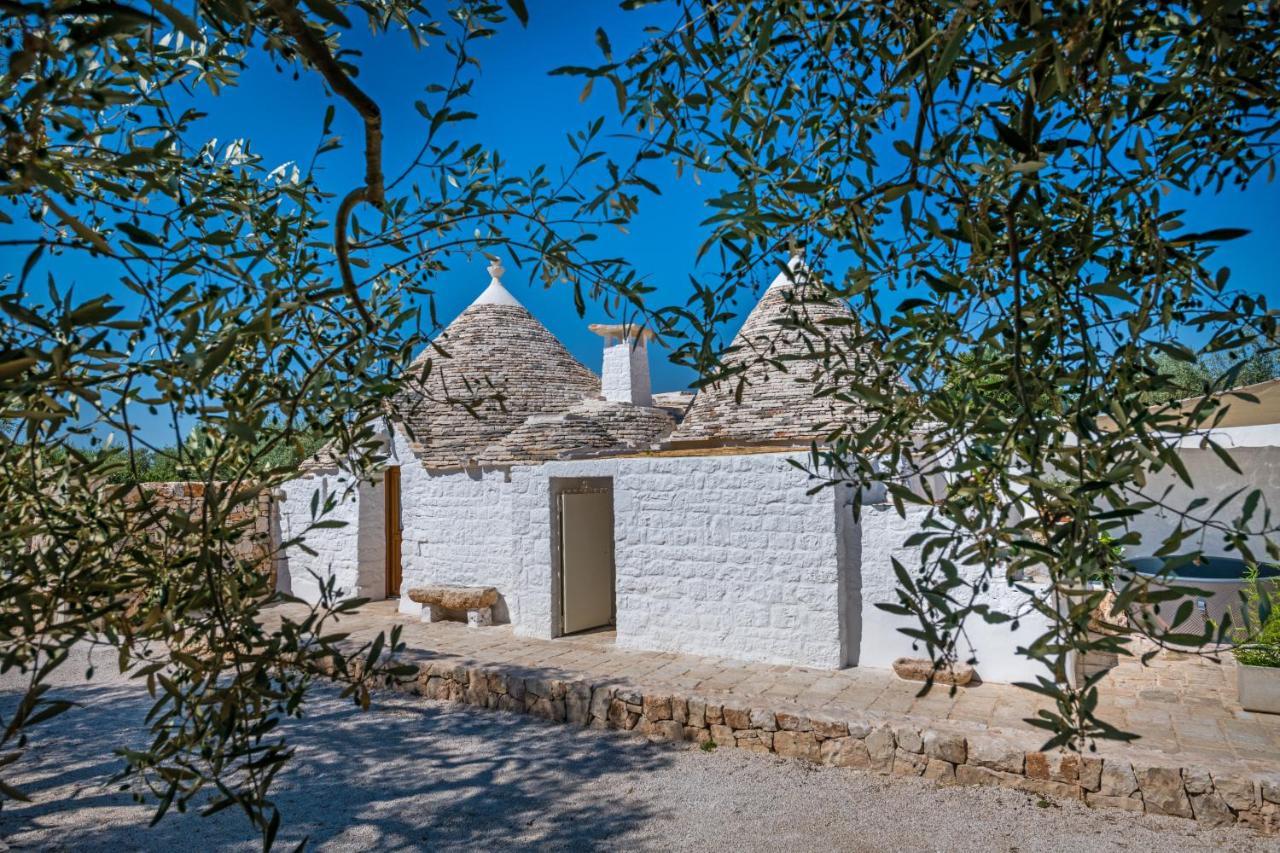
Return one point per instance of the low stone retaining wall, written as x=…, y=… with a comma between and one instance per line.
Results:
x=882, y=746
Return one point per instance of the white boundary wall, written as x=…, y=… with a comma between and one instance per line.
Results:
x=884, y=536
x=352, y=554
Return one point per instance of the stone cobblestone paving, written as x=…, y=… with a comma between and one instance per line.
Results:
x=1199, y=755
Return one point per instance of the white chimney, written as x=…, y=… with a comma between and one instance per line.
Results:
x=624, y=377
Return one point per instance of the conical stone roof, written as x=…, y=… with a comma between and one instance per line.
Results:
x=490, y=370
x=783, y=365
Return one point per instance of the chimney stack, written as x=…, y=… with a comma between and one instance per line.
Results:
x=624, y=377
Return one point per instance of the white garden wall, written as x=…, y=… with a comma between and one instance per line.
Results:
x=352, y=554
x=884, y=535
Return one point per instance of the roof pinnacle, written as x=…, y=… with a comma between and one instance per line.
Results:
x=495, y=293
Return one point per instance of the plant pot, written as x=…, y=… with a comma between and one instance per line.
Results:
x=1104, y=620
x=1259, y=688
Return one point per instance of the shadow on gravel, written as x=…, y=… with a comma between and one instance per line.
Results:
x=404, y=775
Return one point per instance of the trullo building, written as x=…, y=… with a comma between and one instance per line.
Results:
x=591, y=501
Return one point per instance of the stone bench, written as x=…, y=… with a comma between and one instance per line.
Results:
x=477, y=601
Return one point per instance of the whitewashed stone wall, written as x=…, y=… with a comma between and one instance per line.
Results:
x=457, y=529
x=716, y=555
x=624, y=376
x=352, y=554
x=722, y=555
x=884, y=534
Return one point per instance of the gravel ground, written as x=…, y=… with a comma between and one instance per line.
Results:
x=411, y=774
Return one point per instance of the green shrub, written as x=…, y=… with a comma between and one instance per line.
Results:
x=1262, y=648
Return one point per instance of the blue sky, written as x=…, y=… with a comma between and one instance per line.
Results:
x=525, y=113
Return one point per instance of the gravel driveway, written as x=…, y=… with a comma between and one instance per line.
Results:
x=411, y=774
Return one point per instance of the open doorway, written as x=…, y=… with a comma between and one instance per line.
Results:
x=583, y=596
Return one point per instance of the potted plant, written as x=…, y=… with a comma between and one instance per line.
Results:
x=1111, y=557
x=1258, y=654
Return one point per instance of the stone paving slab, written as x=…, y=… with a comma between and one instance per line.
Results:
x=1184, y=706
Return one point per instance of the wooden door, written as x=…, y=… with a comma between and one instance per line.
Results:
x=392, y=503
x=586, y=554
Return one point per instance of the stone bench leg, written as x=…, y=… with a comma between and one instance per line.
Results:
x=480, y=617
x=431, y=613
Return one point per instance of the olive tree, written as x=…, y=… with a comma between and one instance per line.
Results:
x=1013, y=175
x=257, y=302
x=1006, y=167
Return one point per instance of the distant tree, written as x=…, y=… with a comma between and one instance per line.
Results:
x=1213, y=372
x=189, y=461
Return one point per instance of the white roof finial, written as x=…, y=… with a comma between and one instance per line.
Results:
x=797, y=270
x=795, y=259
x=495, y=293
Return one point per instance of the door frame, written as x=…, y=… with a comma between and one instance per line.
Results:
x=576, y=485
x=393, y=537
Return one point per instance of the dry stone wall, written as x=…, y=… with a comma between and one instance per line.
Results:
x=889, y=747
x=258, y=542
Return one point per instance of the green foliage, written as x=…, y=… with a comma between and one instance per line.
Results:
x=1265, y=649
x=274, y=310
x=1012, y=175
x=1258, y=639
x=1012, y=171
x=1213, y=372
x=1109, y=557
x=181, y=463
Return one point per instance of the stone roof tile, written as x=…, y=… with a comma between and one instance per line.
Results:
x=592, y=425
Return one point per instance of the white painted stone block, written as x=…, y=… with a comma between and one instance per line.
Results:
x=699, y=570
